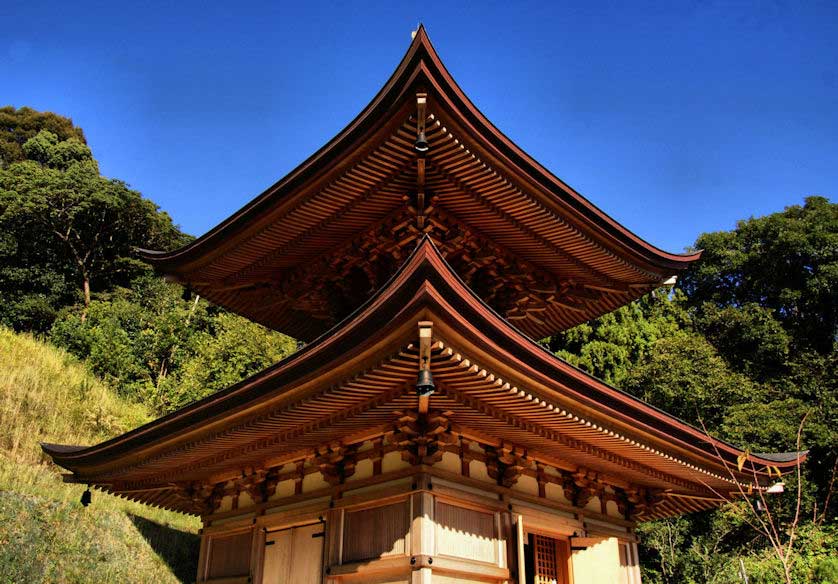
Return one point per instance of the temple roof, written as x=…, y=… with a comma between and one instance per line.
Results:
x=314, y=246
x=496, y=385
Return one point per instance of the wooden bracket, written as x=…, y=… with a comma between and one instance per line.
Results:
x=506, y=463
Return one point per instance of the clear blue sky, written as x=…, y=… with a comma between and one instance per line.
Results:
x=674, y=118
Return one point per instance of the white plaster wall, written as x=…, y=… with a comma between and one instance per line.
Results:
x=555, y=493
x=313, y=482
x=528, y=485
x=284, y=489
x=598, y=563
x=450, y=462
x=477, y=470
x=363, y=470
x=392, y=461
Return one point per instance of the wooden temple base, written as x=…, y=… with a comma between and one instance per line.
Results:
x=392, y=522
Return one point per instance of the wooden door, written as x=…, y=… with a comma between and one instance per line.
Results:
x=294, y=555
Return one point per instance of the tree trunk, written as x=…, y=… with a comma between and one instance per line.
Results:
x=86, y=286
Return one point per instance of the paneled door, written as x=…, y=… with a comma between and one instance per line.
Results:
x=294, y=555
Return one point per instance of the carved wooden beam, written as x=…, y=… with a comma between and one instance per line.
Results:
x=331, y=286
x=541, y=479
x=425, y=336
x=466, y=456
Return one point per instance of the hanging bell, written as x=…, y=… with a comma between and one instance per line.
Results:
x=425, y=382
x=86, y=498
x=421, y=144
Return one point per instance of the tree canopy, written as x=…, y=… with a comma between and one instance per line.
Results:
x=745, y=346
x=67, y=230
x=69, y=270
x=17, y=126
x=786, y=262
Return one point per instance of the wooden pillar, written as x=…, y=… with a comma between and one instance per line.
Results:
x=202, y=557
x=422, y=532
x=634, y=566
x=519, y=548
x=257, y=554
x=333, y=545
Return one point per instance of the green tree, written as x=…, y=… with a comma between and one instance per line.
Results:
x=228, y=351
x=786, y=262
x=608, y=347
x=748, y=336
x=157, y=348
x=62, y=222
x=746, y=346
x=19, y=125
x=685, y=376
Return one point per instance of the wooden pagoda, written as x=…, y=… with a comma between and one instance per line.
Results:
x=420, y=435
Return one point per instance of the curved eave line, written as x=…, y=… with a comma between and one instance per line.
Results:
x=674, y=425
x=410, y=70
x=409, y=282
x=238, y=395
x=485, y=128
x=339, y=144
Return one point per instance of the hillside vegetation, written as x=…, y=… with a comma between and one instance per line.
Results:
x=46, y=535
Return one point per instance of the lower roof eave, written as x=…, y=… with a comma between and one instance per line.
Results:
x=424, y=282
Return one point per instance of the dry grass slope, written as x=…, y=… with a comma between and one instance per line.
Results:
x=45, y=533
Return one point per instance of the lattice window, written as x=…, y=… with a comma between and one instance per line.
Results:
x=547, y=570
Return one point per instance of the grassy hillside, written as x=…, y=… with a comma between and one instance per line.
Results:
x=45, y=533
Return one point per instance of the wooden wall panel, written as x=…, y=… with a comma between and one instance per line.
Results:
x=277, y=562
x=293, y=556
x=466, y=533
x=229, y=556
x=374, y=533
x=629, y=568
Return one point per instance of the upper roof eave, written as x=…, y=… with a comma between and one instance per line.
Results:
x=420, y=61
x=425, y=262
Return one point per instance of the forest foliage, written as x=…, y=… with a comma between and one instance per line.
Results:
x=744, y=345
x=69, y=271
